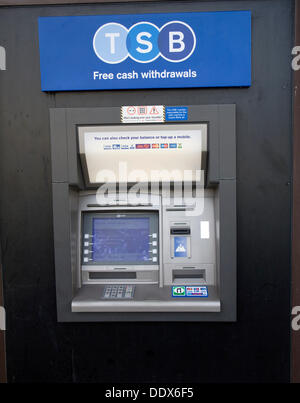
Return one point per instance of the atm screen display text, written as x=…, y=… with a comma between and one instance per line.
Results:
x=124, y=239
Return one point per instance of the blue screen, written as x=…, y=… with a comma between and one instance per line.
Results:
x=180, y=246
x=121, y=239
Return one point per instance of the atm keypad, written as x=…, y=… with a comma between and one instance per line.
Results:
x=119, y=292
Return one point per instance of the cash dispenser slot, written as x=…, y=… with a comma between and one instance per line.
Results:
x=188, y=274
x=112, y=275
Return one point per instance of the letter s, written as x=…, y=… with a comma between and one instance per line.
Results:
x=144, y=42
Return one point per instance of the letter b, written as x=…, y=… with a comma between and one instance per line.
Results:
x=176, y=41
x=176, y=38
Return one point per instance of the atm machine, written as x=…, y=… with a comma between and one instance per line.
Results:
x=144, y=215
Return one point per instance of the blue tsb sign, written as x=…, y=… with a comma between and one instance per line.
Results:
x=209, y=49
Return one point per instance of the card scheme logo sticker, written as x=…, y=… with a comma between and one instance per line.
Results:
x=178, y=291
x=190, y=291
x=196, y=291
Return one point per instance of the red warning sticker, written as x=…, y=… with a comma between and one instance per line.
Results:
x=143, y=114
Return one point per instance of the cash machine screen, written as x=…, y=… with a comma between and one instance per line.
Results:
x=121, y=239
x=129, y=238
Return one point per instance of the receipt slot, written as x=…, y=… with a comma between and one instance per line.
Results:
x=144, y=216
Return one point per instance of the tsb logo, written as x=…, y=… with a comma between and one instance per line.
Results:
x=144, y=42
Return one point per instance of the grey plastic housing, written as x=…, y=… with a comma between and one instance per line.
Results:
x=67, y=182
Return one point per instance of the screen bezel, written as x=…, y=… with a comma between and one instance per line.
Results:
x=87, y=228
